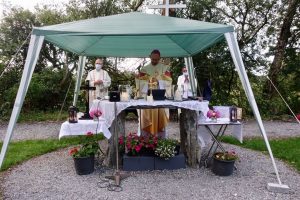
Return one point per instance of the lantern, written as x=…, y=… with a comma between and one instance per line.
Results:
x=233, y=114
x=73, y=114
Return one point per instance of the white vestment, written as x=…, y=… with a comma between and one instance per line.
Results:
x=101, y=89
x=185, y=86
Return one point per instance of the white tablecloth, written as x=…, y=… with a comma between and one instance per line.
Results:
x=107, y=108
x=204, y=136
x=84, y=126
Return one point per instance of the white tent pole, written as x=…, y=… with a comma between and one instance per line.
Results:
x=80, y=68
x=31, y=59
x=187, y=62
x=237, y=58
x=193, y=83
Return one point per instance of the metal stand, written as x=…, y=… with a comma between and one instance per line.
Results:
x=87, y=87
x=117, y=175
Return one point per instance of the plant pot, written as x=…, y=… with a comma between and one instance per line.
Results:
x=138, y=163
x=176, y=162
x=222, y=167
x=84, y=165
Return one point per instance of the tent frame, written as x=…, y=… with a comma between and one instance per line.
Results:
x=35, y=45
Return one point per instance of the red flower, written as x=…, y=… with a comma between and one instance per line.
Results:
x=73, y=151
x=121, y=140
x=138, y=148
x=298, y=117
x=89, y=134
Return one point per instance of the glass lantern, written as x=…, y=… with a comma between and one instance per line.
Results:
x=73, y=114
x=233, y=114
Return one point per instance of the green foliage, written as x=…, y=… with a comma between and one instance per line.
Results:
x=285, y=149
x=166, y=148
x=89, y=146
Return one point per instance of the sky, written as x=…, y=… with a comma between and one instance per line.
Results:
x=27, y=4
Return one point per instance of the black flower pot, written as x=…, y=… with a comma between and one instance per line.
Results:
x=222, y=167
x=84, y=165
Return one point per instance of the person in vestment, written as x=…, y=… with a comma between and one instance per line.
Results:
x=100, y=79
x=184, y=84
x=154, y=121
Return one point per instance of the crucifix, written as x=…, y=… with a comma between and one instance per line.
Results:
x=87, y=88
x=166, y=6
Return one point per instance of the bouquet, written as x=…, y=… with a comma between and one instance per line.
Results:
x=213, y=114
x=95, y=113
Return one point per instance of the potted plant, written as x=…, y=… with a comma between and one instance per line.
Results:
x=166, y=148
x=134, y=148
x=84, y=155
x=168, y=155
x=223, y=163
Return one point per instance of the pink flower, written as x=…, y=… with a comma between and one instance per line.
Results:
x=95, y=113
x=213, y=114
x=89, y=134
x=138, y=148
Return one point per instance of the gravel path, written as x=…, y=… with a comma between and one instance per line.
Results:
x=42, y=130
x=52, y=176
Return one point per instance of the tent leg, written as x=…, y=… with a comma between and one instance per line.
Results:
x=237, y=58
x=81, y=64
x=189, y=64
x=31, y=59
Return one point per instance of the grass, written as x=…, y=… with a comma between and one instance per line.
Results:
x=21, y=151
x=36, y=116
x=285, y=149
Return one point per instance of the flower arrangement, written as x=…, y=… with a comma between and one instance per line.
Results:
x=166, y=148
x=213, y=114
x=134, y=144
x=226, y=156
x=95, y=113
x=89, y=146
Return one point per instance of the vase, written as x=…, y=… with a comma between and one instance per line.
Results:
x=222, y=167
x=95, y=119
x=84, y=165
x=214, y=120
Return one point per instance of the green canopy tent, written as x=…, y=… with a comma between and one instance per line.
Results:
x=132, y=35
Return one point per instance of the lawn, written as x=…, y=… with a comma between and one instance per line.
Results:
x=24, y=150
x=285, y=149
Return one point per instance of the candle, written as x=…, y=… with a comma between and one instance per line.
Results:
x=124, y=96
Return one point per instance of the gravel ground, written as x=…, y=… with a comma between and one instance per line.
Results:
x=52, y=176
x=42, y=130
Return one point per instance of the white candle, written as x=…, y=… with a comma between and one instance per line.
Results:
x=124, y=96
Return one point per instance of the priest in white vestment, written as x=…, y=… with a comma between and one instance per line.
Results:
x=184, y=84
x=154, y=121
x=100, y=79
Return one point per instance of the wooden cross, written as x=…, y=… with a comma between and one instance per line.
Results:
x=167, y=6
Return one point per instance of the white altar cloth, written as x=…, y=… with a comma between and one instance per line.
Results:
x=84, y=126
x=107, y=108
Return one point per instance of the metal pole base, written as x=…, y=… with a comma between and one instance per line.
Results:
x=118, y=177
x=279, y=188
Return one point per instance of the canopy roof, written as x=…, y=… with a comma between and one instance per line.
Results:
x=134, y=35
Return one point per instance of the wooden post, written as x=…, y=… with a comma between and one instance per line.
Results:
x=188, y=136
x=119, y=122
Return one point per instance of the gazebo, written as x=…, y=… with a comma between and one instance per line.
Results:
x=132, y=35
